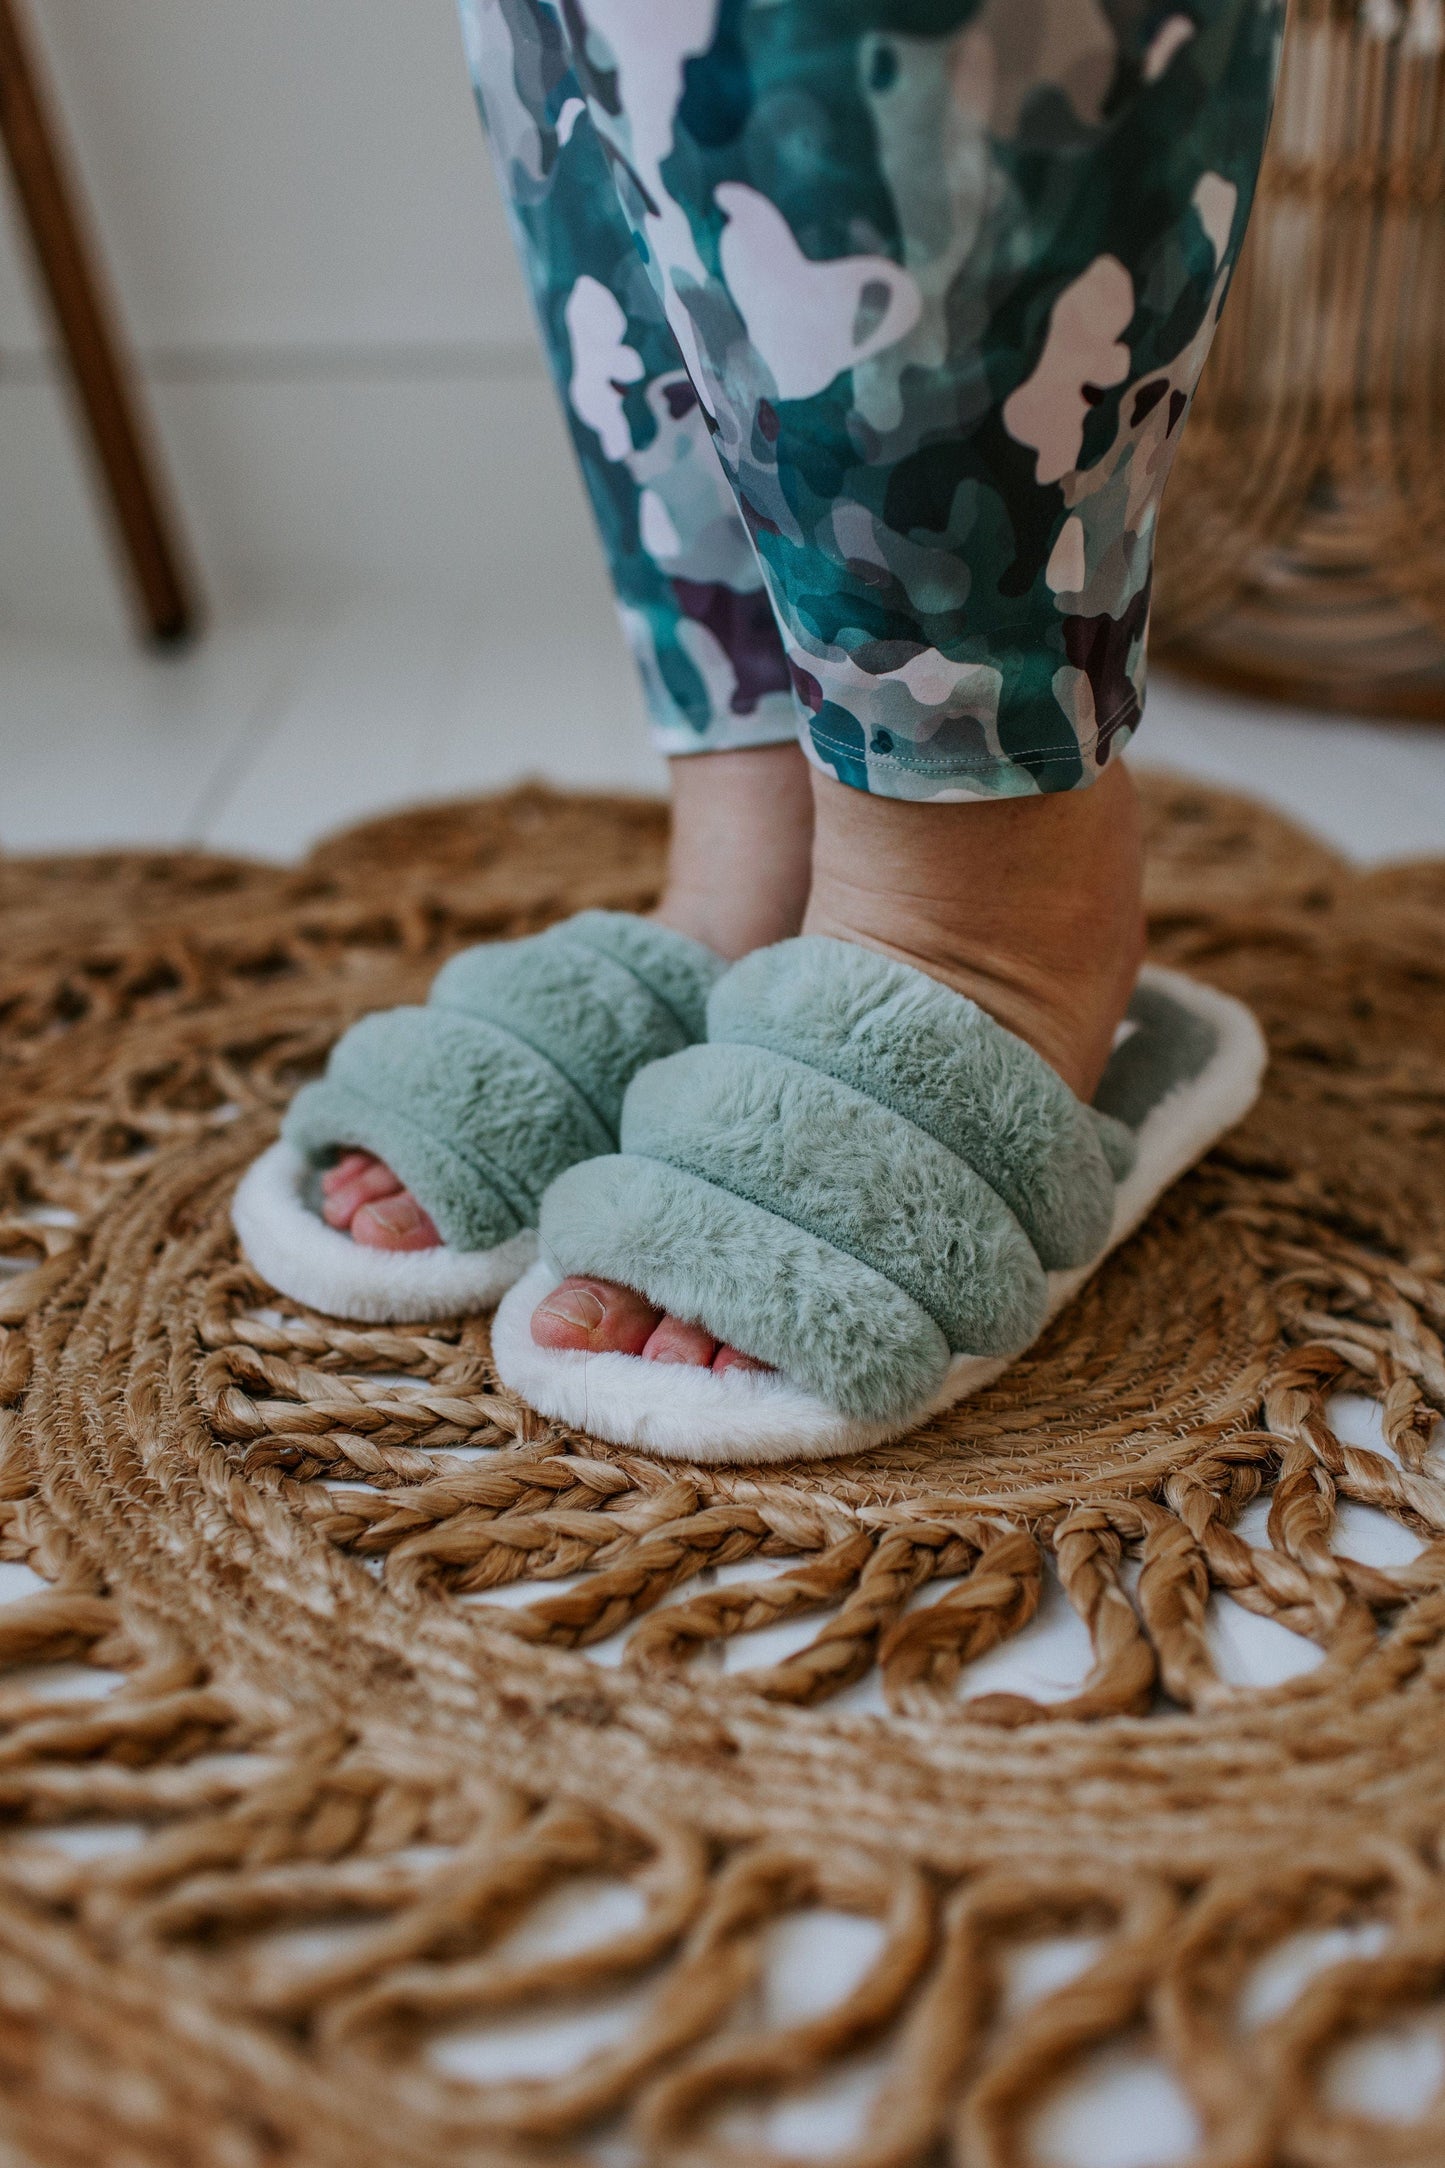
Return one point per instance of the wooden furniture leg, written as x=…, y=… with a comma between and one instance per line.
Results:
x=69, y=265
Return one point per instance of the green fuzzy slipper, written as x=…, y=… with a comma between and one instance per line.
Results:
x=866, y=1183
x=515, y=1069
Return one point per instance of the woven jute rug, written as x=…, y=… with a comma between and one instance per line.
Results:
x=245, y=1892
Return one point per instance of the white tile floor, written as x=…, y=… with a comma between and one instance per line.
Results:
x=275, y=730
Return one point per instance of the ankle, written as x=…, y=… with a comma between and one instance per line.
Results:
x=1031, y=907
x=741, y=848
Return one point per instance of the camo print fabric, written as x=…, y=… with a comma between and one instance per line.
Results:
x=877, y=322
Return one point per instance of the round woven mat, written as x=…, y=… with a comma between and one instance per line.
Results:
x=345, y=1744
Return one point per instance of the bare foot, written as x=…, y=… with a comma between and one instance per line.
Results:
x=740, y=857
x=1032, y=907
x=598, y=1318
x=362, y=1197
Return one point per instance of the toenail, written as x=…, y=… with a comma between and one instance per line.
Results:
x=576, y=1306
x=732, y=1358
x=398, y=1215
x=346, y=1169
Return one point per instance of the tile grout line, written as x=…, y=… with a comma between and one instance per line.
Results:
x=257, y=731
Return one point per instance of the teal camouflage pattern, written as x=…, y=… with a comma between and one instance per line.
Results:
x=877, y=324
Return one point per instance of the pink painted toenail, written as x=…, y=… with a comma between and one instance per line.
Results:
x=346, y=1170
x=579, y=1306
x=398, y=1215
x=675, y=1341
x=731, y=1358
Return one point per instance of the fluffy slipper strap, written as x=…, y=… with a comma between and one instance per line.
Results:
x=930, y=1055
x=515, y=1068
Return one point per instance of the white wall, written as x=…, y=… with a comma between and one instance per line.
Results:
x=300, y=214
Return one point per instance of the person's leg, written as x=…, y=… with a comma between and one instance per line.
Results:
x=690, y=591
x=689, y=588
x=945, y=275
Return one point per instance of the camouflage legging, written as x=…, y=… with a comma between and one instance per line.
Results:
x=876, y=323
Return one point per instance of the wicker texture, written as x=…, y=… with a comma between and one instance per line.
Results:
x=327, y=1716
x=1303, y=548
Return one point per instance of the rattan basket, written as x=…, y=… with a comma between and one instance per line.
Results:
x=1302, y=552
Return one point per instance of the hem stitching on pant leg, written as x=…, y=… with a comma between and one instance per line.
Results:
x=1084, y=747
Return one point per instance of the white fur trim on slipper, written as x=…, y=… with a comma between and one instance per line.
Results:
x=292, y=1247
x=682, y=1413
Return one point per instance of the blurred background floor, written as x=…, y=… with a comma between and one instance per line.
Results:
x=338, y=349
x=278, y=728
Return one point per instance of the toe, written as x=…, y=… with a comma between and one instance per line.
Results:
x=676, y=1342
x=367, y=1184
x=733, y=1358
x=595, y=1316
x=395, y=1223
x=347, y=1168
